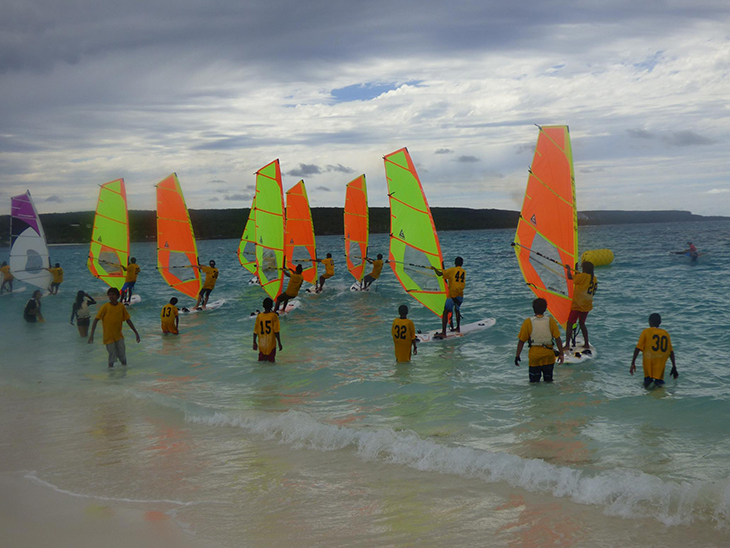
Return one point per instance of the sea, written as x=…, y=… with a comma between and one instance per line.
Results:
x=336, y=444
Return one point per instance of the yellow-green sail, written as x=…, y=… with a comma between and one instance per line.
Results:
x=110, y=236
x=247, y=245
x=270, y=228
x=414, y=243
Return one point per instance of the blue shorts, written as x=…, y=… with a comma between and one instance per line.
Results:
x=128, y=285
x=451, y=301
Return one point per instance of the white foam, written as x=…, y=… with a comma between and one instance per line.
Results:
x=625, y=493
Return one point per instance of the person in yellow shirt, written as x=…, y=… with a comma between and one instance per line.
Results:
x=292, y=288
x=329, y=271
x=404, y=336
x=540, y=332
x=656, y=345
x=113, y=315
x=169, y=318
x=266, y=330
x=375, y=274
x=57, y=280
x=8, y=278
x=132, y=270
x=585, y=285
x=211, y=277
x=455, y=279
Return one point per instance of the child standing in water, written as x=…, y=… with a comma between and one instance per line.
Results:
x=169, y=318
x=656, y=345
x=32, y=310
x=80, y=311
x=112, y=315
x=404, y=336
x=267, y=331
x=584, y=287
x=539, y=332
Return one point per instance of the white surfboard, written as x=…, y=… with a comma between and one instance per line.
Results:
x=254, y=281
x=15, y=290
x=578, y=354
x=466, y=329
x=136, y=299
x=356, y=287
x=291, y=305
x=212, y=305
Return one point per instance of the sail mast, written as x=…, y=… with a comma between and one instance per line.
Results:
x=247, y=245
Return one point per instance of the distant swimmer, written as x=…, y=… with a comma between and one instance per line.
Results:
x=32, y=310
x=541, y=333
x=375, y=274
x=169, y=318
x=57, y=279
x=80, y=311
x=266, y=330
x=656, y=345
x=7, y=285
x=404, y=336
x=113, y=315
x=211, y=277
x=585, y=285
x=692, y=252
x=132, y=270
x=329, y=271
x=292, y=288
x=455, y=278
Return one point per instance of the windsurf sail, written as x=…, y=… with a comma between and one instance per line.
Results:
x=28, y=248
x=109, y=248
x=270, y=228
x=247, y=245
x=300, y=243
x=176, y=249
x=357, y=226
x=414, y=243
x=547, y=230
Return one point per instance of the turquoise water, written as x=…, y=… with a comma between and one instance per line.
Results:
x=460, y=411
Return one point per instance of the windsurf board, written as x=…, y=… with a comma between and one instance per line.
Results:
x=465, y=329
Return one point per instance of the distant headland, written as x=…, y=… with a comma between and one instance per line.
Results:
x=228, y=223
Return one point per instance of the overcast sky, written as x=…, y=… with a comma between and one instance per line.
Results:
x=92, y=91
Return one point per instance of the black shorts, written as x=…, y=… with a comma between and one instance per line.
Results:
x=545, y=370
x=29, y=318
x=83, y=321
x=204, y=292
x=55, y=284
x=368, y=279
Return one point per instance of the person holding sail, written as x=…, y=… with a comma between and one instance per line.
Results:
x=455, y=278
x=132, y=270
x=329, y=271
x=292, y=288
x=585, y=285
x=8, y=278
x=211, y=277
x=57, y=280
x=375, y=274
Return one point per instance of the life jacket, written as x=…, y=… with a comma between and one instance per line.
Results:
x=541, y=335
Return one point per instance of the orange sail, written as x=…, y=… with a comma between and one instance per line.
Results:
x=300, y=244
x=357, y=226
x=547, y=230
x=176, y=249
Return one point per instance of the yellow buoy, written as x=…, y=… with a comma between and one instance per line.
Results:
x=599, y=257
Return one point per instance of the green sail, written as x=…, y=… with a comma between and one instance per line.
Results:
x=414, y=243
x=247, y=245
x=270, y=228
x=109, y=248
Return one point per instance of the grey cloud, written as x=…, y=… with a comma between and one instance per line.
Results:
x=467, y=159
x=324, y=188
x=640, y=133
x=54, y=198
x=217, y=182
x=443, y=151
x=687, y=138
x=238, y=197
x=526, y=147
x=214, y=199
x=304, y=170
x=339, y=168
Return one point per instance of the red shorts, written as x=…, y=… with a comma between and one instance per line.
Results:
x=576, y=315
x=268, y=357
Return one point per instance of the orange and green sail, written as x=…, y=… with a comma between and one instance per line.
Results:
x=357, y=226
x=547, y=230
x=247, y=246
x=176, y=248
x=270, y=228
x=414, y=243
x=300, y=243
x=109, y=249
